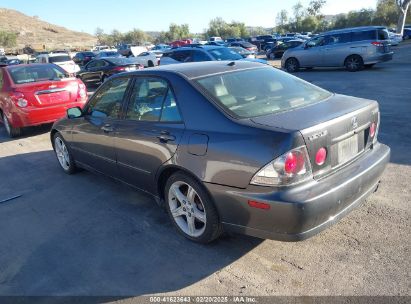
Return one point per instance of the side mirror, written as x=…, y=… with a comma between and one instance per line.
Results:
x=74, y=113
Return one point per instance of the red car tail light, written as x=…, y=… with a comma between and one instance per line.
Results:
x=321, y=156
x=376, y=43
x=288, y=169
x=19, y=99
x=82, y=91
x=119, y=69
x=373, y=128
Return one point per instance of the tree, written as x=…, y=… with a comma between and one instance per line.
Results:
x=298, y=11
x=402, y=6
x=135, y=36
x=99, y=33
x=219, y=28
x=8, y=39
x=281, y=20
x=315, y=6
x=309, y=24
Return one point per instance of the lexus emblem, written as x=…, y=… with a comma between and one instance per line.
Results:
x=354, y=122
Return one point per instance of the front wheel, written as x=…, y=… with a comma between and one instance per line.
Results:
x=292, y=65
x=354, y=63
x=191, y=209
x=63, y=154
x=11, y=131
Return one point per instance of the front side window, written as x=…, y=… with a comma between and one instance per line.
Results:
x=318, y=41
x=261, y=91
x=152, y=100
x=200, y=56
x=181, y=56
x=109, y=99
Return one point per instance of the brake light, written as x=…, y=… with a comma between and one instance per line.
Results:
x=82, y=92
x=373, y=128
x=119, y=69
x=376, y=43
x=259, y=205
x=19, y=99
x=321, y=156
x=288, y=169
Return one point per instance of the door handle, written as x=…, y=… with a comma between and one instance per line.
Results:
x=107, y=128
x=165, y=136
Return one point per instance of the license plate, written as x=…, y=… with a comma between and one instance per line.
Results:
x=347, y=149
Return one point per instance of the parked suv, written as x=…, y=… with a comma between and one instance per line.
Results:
x=202, y=53
x=61, y=59
x=354, y=48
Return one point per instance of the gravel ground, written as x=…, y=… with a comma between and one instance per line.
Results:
x=88, y=235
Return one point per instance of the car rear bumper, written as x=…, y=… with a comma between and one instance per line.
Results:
x=300, y=212
x=32, y=116
x=380, y=58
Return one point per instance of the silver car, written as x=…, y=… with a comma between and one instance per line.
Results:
x=352, y=48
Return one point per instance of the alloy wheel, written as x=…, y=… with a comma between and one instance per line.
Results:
x=62, y=153
x=187, y=209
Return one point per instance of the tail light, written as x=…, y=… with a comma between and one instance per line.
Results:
x=119, y=69
x=140, y=67
x=19, y=99
x=82, y=92
x=376, y=43
x=373, y=128
x=290, y=168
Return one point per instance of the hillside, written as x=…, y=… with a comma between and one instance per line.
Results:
x=37, y=33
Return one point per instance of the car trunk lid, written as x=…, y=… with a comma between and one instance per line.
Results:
x=341, y=125
x=50, y=93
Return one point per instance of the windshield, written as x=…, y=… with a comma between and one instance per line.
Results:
x=62, y=58
x=224, y=54
x=261, y=91
x=34, y=73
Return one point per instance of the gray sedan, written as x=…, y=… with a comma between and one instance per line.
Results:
x=229, y=146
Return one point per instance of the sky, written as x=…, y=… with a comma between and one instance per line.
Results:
x=124, y=15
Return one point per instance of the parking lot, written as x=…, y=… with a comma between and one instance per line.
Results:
x=88, y=235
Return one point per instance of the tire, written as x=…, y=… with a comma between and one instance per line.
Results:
x=292, y=65
x=12, y=132
x=150, y=64
x=63, y=154
x=354, y=63
x=191, y=209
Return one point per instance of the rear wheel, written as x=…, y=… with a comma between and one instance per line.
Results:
x=191, y=209
x=150, y=64
x=11, y=131
x=292, y=65
x=354, y=63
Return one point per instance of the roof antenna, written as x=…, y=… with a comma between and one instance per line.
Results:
x=232, y=63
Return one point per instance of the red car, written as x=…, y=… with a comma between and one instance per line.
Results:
x=180, y=43
x=35, y=94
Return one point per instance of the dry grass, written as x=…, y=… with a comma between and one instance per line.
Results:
x=37, y=33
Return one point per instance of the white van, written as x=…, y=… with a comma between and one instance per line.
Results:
x=61, y=59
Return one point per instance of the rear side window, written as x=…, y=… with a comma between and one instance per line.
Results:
x=382, y=34
x=181, y=56
x=363, y=35
x=200, y=56
x=152, y=100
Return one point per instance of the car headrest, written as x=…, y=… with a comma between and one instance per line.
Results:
x=220, y=90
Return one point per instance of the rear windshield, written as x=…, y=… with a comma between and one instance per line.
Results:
x=224, y=54
x=34, y=73
x=121, y=61
x=62, y=58
x=262, y=91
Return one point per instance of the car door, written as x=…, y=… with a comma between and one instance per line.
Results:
x=87, y=73
x=150, y=132
x=312, y=54
x=335, y=49
x=92, y=134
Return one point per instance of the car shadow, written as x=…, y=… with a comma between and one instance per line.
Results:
x=26, y=132
x=86, y=234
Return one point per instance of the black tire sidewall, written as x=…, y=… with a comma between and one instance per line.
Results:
x=213, y=226
x=296, y=67
x=360, y=65
x=13, y=132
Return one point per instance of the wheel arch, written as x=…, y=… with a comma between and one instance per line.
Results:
x=353, y=54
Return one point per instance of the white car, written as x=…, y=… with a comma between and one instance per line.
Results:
x=395, y=39
x=61, y=59
x=2, y=52
x=147, y=58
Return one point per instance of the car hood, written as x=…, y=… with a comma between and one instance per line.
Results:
x=256, y=60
